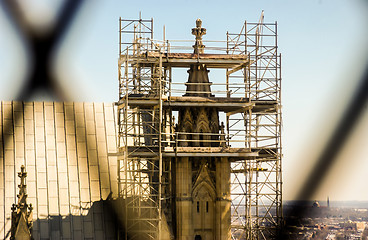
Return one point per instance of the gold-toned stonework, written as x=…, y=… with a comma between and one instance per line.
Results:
x=22, y=216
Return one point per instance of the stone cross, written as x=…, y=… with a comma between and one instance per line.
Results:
x=198, y=32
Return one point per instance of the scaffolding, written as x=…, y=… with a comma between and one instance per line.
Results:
x=248, y=98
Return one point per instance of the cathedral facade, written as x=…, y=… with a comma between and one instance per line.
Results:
x=202, y=184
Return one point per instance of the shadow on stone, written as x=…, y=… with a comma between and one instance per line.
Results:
x=104, y=220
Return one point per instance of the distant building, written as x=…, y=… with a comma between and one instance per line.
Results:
x=316, y=204
x=350, y=225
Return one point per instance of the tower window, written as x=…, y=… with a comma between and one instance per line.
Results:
x=206, y=206
x=197, y=207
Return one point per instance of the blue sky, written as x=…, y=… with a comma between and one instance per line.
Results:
x=323, y=45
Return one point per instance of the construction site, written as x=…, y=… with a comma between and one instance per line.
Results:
x=200, y=159
x=124, y=128
x=191, y=149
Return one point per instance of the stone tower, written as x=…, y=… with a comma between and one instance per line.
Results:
x=202, y=183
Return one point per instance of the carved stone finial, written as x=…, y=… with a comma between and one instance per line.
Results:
x=222, y=136
x=198, y=83
x=198, y=23
x=21, y=227
x=22, y=174
x=198, y=32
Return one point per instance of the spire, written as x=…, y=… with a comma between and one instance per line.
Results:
x=198, y=83
x=198, y=32
x=21, y=227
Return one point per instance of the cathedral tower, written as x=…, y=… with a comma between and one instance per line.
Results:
x=202, y=184
x=182, y=172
